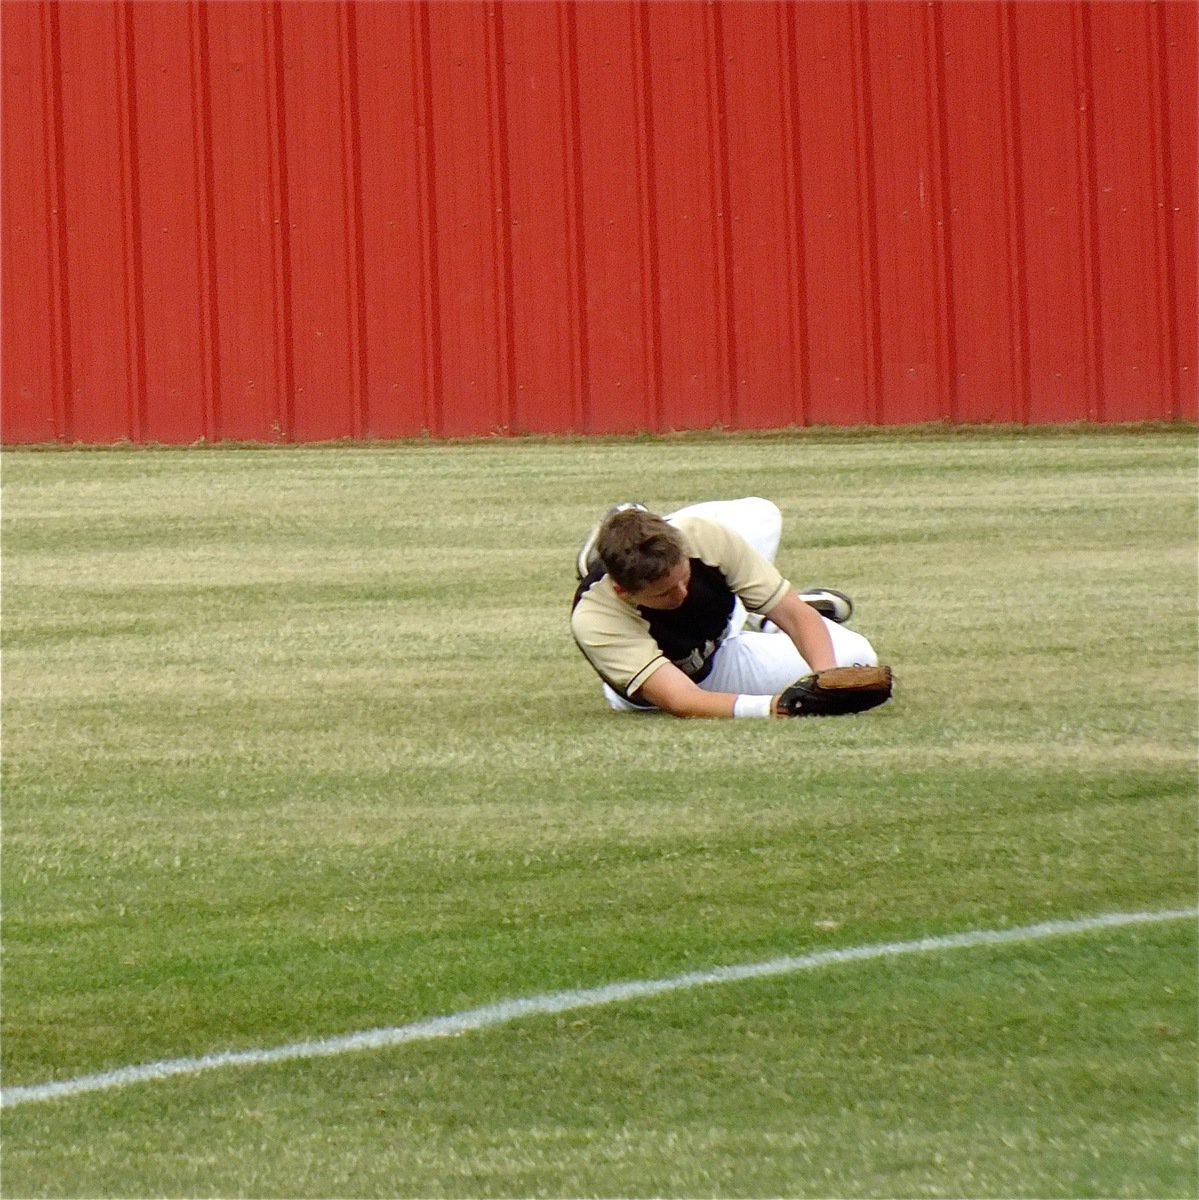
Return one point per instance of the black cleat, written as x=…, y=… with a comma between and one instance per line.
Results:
x=834, y=605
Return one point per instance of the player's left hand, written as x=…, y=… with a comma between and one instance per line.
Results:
x=836, y=692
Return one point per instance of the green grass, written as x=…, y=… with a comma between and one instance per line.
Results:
x=296, y=744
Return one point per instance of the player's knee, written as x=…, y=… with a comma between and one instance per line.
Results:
x=852, y=649
x=761, y=524
x=766, y=514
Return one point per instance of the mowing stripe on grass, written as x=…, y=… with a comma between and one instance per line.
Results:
x=504, y=1011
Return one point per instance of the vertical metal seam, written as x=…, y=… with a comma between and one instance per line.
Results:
x=945, y=331
x=869, y=283
x=1163, y=226
x=651, y=300
x=131, y=222
x=501, y=197
x=206, y=245
x=1088, y=200
x=285, y=409
x=1014, y=201
x=433, y=401
x=351, y=135
x=795, y=233
x=62, y=372
x=579, y=349
x=722, y=204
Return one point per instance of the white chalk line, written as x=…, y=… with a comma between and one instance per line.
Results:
x=505, y=1011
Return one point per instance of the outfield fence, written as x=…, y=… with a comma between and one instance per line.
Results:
x=301, y=221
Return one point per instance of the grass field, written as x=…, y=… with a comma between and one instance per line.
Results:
x=296, y=745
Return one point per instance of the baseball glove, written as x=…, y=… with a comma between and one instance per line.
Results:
x=836, y=692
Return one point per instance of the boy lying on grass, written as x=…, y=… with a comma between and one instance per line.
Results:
x=687, y=614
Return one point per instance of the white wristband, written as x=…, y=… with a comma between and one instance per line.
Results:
x=752, y=706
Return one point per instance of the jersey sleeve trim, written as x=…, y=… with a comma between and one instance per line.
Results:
x=779, y=592
x=639, y=680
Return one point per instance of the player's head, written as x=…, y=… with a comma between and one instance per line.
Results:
x=646, y=558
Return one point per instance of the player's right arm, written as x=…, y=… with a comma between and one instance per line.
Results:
x=673, y=692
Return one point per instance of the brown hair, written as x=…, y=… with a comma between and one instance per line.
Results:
x=639, y=548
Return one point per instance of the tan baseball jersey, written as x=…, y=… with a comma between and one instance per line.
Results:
x=626, y=644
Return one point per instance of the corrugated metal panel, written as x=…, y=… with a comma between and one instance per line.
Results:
x=311, y=220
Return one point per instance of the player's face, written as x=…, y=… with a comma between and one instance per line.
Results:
x=668, y=592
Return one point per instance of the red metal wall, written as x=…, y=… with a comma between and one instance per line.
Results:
x=313, y=220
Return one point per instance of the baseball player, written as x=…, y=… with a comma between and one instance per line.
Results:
x=687, y=614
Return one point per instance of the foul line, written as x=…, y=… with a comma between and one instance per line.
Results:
x=491, y=1015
